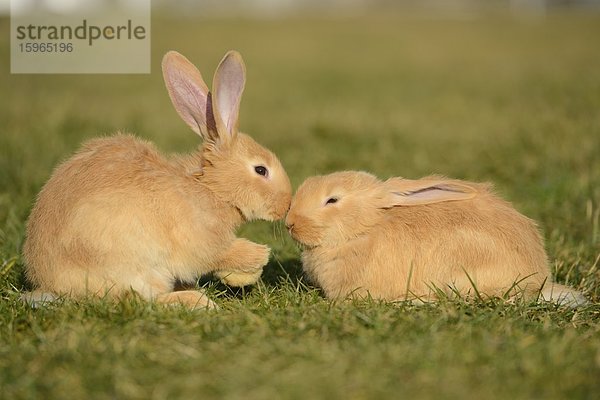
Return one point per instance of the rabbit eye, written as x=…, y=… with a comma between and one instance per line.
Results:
x=263, y=171
x=332, y=200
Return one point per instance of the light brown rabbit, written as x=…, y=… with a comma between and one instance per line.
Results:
x=404, y=239
x=119, y=216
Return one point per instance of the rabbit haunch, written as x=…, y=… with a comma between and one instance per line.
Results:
x=406, y=239
x=119, y=216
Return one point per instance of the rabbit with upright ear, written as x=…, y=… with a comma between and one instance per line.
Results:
x=119, y=216
x=407, y=239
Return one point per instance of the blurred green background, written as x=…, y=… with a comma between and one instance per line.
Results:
x=508, y=93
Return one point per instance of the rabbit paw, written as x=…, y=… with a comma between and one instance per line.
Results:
x=192, y=299
x=257, y=258
x=250, y=259
x=239, y=279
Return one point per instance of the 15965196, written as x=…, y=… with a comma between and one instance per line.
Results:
x=45, y=47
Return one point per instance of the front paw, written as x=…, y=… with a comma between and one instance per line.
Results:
x=258, y=257
x=239, y=279
x=253, y=258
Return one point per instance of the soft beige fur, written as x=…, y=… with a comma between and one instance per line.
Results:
x=407, y=239
x=119, y=216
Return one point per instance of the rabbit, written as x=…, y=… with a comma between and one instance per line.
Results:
x=403, y=239
x=119, y=216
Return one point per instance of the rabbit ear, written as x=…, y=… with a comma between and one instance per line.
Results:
x=228, y=85
x=407, y=192
x=189, y=94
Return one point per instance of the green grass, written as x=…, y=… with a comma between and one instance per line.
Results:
x=488, y=99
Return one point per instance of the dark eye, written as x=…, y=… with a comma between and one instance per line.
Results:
x=332, y=200
x=259, y=169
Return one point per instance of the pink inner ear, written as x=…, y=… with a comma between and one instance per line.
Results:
x=187, y=90
x=189, y=101
x=432, y=194
x=230, y=88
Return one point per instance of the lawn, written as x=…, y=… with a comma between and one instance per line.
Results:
x=491, y=98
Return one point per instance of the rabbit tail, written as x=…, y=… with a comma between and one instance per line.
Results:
x=563, y=295
x=38, y=298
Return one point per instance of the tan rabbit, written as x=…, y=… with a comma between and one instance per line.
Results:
x=119, y=216
x=404, y=239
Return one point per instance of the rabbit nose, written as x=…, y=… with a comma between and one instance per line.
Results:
x=290, y=220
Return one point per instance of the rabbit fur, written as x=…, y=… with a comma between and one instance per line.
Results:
x=120, y=216
x=404, y=239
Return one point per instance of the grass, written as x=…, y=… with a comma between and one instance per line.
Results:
x=488, y=99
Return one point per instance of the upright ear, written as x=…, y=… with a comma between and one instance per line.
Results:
x=189, y=94
x=228, y=86
x=407, y=192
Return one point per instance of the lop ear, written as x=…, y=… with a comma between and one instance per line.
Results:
x=228, y=86
x=189, y=94
x=407, y=192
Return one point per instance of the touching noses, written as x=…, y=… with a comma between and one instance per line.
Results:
x=289, y=223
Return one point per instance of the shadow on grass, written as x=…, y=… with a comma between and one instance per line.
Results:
x=275, y=274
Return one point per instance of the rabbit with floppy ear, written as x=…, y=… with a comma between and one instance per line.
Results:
x=410, y=239
x=119, y=216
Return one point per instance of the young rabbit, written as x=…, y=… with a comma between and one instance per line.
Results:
x=119, y=216
x=408, y=239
